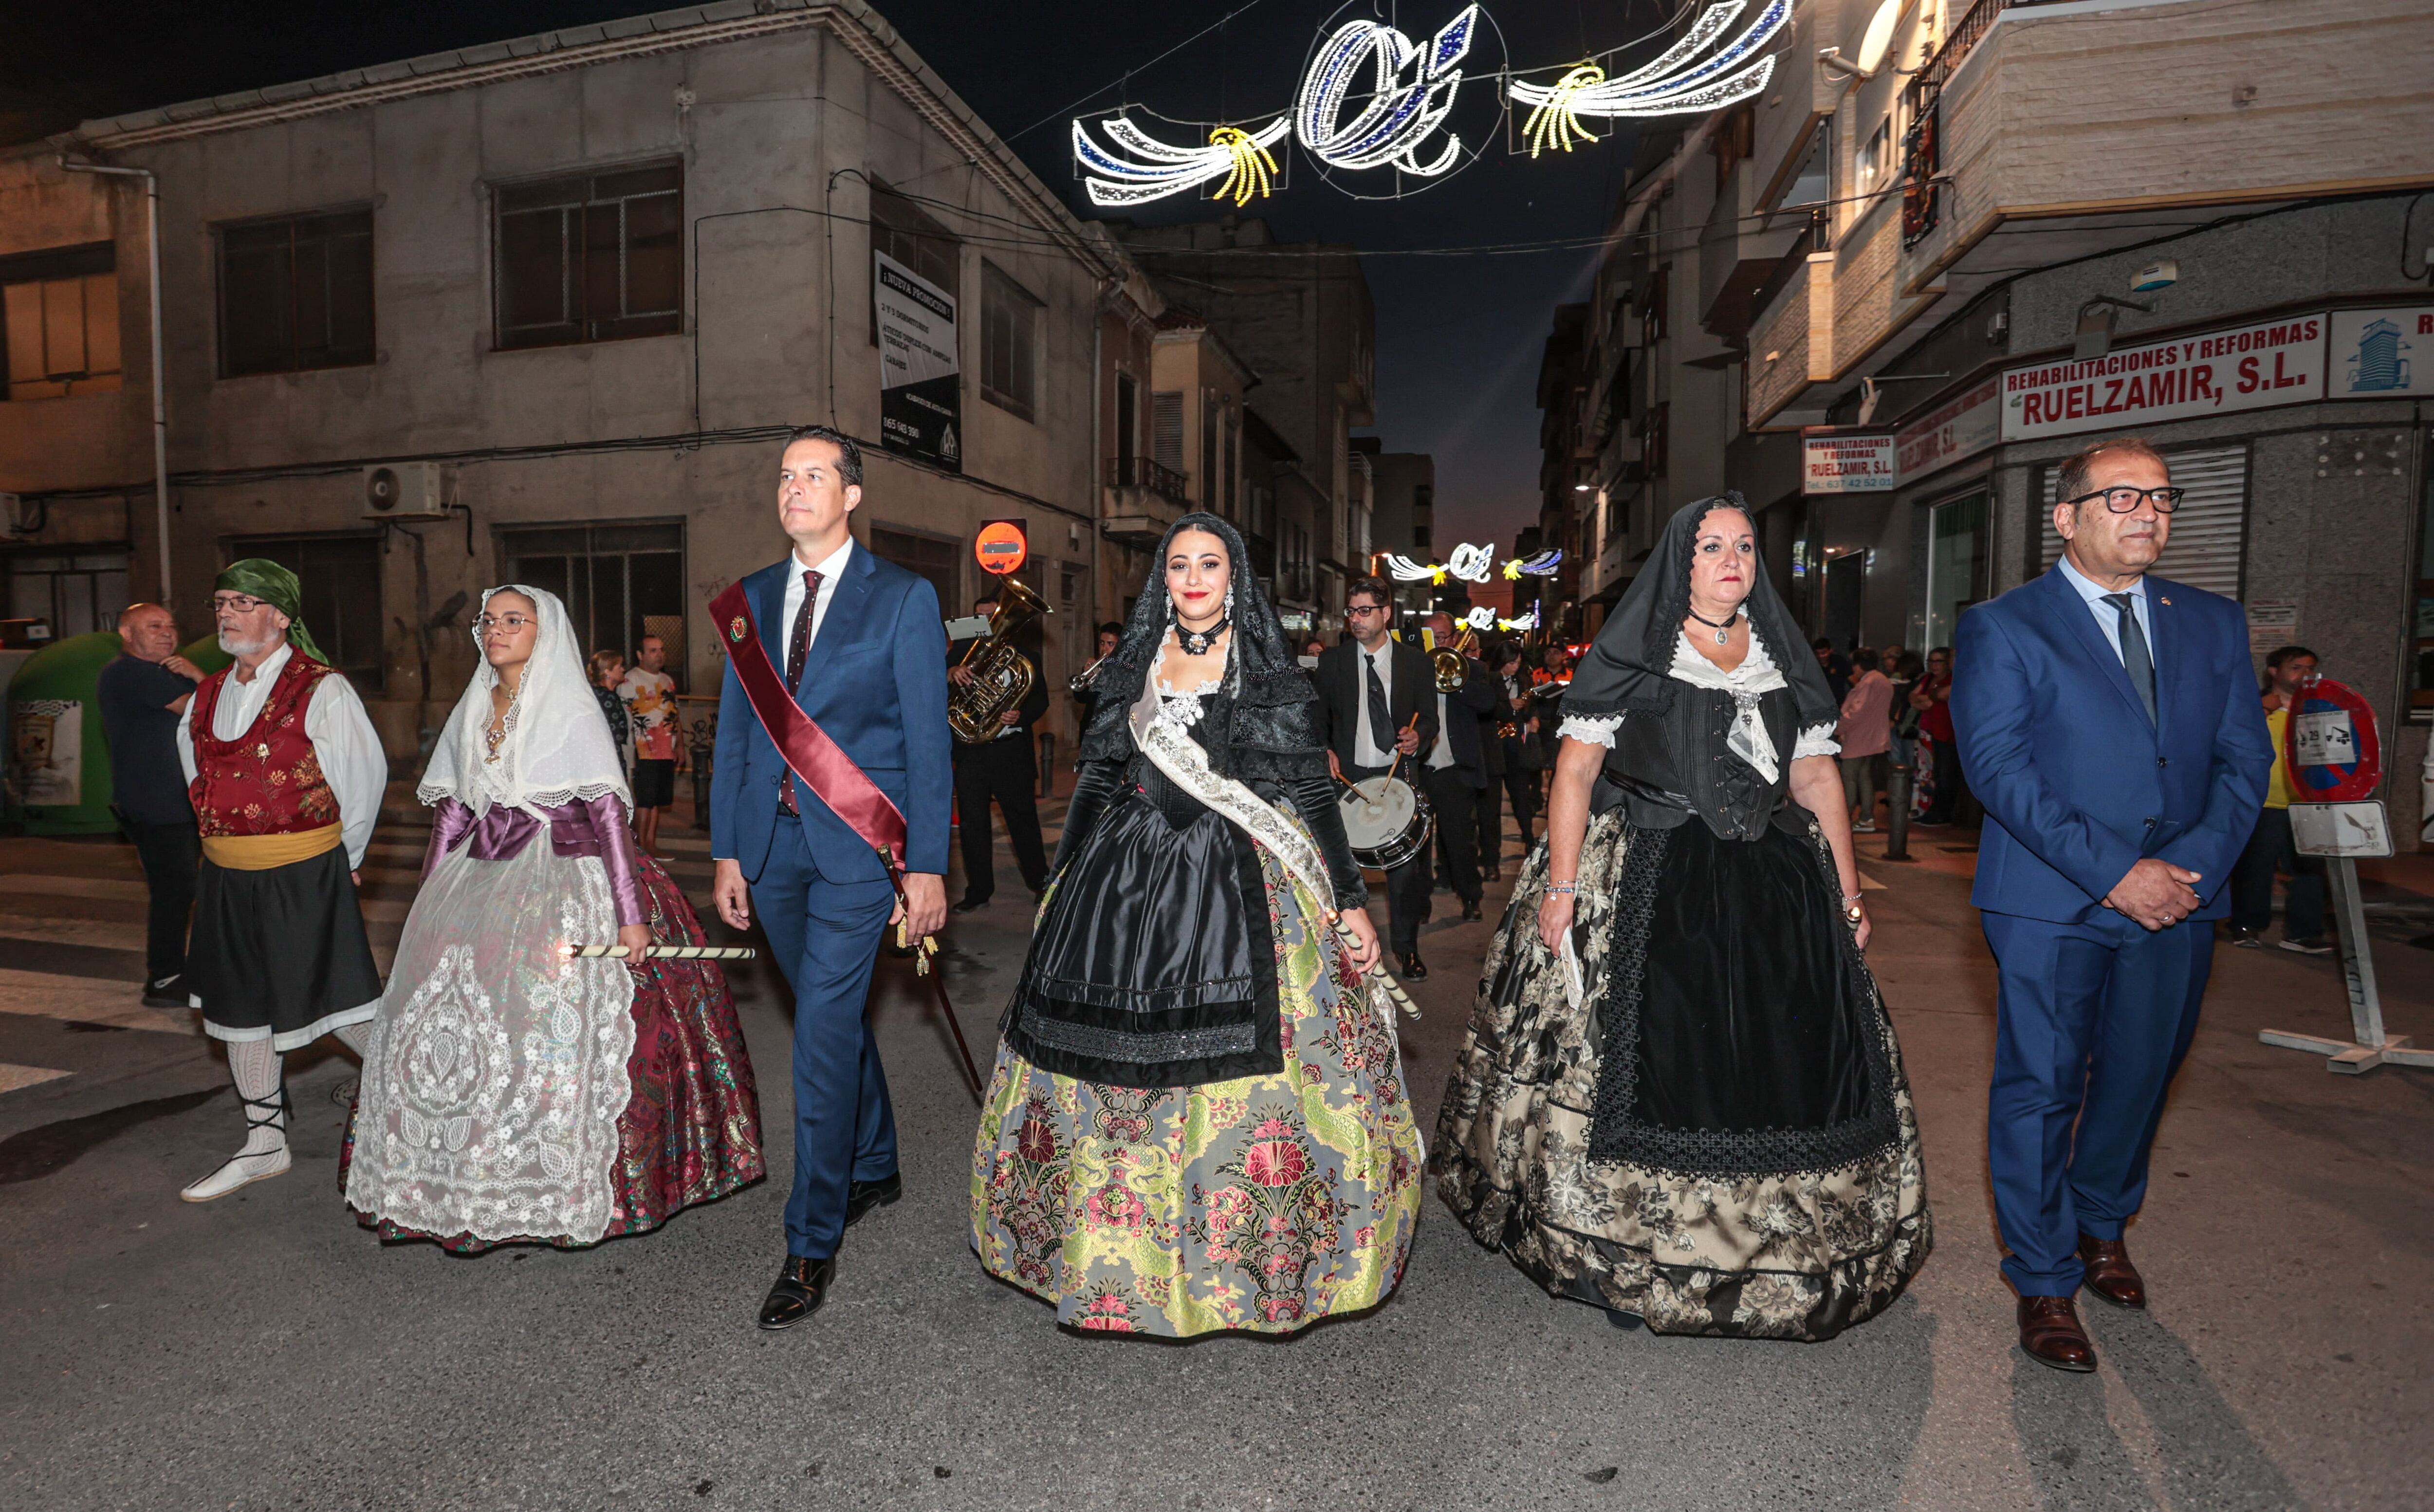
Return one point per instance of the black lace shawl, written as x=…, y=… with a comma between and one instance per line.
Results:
x=1628, y=669
x=1262, y=724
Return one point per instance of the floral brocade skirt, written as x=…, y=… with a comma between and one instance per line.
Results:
x=1720, y=1183
x=1261, y=1203
x=690, y=1131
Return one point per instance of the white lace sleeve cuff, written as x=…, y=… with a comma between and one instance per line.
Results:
x=1595, y=729
x=1816, y=741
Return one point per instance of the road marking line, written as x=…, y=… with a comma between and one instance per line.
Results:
x=101, y=934
x=76, y=887
x=13, y=1078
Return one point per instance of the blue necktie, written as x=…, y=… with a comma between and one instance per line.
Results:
x=2134, y=657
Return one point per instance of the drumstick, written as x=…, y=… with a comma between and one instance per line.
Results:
x=660, y=952
x=1399, y=748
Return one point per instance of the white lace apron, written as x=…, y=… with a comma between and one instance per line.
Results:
x=496, y=1069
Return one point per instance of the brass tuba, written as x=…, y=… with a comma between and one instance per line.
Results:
x=1002, y=676
x=1452, y=663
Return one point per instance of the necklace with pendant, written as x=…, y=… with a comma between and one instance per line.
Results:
x=1197, y=642
x=1722, y=631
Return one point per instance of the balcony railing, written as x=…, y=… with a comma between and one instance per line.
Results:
x=1146, y=472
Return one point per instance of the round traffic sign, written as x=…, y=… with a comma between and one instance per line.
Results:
x=1000, y=548
x=2330, y=745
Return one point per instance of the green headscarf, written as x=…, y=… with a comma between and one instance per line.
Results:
x=276, y=586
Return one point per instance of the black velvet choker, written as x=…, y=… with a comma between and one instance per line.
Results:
x=1198, y=642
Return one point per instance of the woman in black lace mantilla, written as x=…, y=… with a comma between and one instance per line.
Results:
x=1197, y=1120
x=1679, y=1096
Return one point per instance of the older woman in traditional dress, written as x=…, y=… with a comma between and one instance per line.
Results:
x=1679, y=1097
x=509, y=1093
x=1197, y=1121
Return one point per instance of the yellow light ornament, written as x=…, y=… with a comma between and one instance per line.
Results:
x=1253, y=171
x=1554, y=123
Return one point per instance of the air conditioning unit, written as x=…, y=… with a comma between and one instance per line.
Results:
x=406, y=491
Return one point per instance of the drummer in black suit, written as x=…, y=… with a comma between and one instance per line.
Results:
x=1379, y=697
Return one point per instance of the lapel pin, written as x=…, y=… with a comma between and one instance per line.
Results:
x=735, y=627
x=2167, y=603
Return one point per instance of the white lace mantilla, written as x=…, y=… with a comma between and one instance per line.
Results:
x=495, y=1070
x=1757, y=673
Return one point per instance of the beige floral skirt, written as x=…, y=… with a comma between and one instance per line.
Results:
x=1710, y=1238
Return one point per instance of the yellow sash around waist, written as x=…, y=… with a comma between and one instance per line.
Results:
x=261, y=852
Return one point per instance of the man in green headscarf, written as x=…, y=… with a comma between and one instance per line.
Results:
x=264, y=581
x=286, y=774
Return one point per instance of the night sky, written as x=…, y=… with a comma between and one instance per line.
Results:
x=1458, y=336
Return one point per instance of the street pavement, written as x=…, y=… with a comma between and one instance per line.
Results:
x=263, y=1351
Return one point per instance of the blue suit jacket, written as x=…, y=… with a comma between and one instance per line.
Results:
x=876, y=680
x=2077, y=783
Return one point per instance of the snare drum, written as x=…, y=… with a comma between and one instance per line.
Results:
x=1387, y=821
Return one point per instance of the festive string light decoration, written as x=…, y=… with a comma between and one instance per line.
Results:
x=1480, y=618
x=1527, y=622
x=1554, y=123
x=1404, y=570
x=1394, y=126
x=1472, y=564
x=1542, y=564
x=1154, y=169
x=1675, y=84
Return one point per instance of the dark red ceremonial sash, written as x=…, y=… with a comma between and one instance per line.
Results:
x=818, y=763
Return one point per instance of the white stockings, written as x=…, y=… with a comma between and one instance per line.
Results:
x=262, y=1093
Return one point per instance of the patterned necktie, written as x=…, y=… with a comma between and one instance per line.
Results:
x=1381, y=724
x=798, y=646
x=2135, y=659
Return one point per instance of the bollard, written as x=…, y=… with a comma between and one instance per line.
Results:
x=1897, y=820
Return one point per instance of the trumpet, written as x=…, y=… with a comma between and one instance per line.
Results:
x=1083, y=680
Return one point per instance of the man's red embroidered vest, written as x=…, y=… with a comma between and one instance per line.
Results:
x=268, y=781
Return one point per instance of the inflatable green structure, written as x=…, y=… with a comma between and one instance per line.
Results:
x=57, y=755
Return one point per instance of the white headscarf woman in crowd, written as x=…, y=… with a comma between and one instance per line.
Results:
x=511, y=1094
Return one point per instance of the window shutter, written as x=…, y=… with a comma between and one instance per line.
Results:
x=2210, y=528
x=1166, y=428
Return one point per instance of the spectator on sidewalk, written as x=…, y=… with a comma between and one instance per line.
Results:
x=1838, y=669
x=1903, y=667
x=2288, y=670
x=650, y=697
x=1864, y=735
x=607, y=669
x=142, y=694
x=1940, y=772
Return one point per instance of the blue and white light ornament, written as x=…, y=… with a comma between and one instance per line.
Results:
x=1402, y=113
x=1154, y=170
x=1678, y=82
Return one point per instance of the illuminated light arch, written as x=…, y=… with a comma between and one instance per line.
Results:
x=1394, y=126
x=1678, y=81
x=1154, y=169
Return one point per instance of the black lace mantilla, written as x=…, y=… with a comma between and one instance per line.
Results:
x=1617, y=1138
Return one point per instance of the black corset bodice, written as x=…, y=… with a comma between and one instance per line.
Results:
x=1666, y=767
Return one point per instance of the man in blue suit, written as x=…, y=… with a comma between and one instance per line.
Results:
x=865, y=653
x=2108, y=720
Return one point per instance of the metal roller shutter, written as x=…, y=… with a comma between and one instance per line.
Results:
x=2210, y=528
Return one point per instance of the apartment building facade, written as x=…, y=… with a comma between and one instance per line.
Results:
x=542, y=311
x=1954, y=241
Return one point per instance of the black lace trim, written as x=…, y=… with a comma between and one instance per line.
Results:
x=1616, y=1139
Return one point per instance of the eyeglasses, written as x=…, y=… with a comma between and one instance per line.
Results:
x=2123, y=500
x=235, y=603
x=1367, y=608
x=510, y=623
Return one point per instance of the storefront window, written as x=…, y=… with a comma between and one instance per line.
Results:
x=1956, y=563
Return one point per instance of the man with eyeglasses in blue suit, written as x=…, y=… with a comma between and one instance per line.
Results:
x=2108, y=721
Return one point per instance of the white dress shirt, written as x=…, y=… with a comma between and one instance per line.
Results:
x=343, y=740
x=2108, y=619
x=1441, y=754
x=1364, y=748
x=831, y=571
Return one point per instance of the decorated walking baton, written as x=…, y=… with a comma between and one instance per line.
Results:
x=660, y=953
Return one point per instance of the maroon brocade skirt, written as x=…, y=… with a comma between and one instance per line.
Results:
x=692, y=1132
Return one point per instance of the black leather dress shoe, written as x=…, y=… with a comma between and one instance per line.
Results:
x=2110, y=1275
x=169, y=992
x=802, y=1286
x=861, y=1196
x=967, y=905
x=1470, y=910
x=1414, y=970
